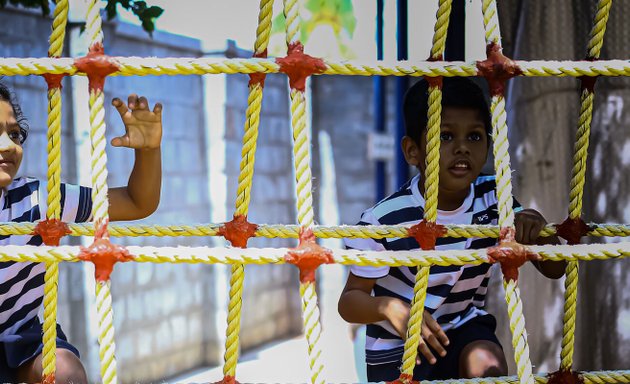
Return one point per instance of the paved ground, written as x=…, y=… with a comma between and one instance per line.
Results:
x=286, y=361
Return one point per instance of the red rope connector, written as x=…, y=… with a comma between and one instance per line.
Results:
x=510, y=254
x=53, y=81
x=572, y=230
x=97, y=66
x=588, y=82
x=258, y=78
x=497, y=69
x=51, y=231
x=426, y=233
x=404, y=378
x=227, y=380
x=298, y=66
x=103, y=254
x=48, y=379
x=238, y=231
x=565, y=376
x=308, y=255
x=434, y=81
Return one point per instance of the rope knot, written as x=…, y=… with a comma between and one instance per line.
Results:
x=572, y=230
x=103, y=254
x=510, y=254
x=97, y=66
x=51, y=231
x=238, y=231
x=404, y=378
x=497, y=69
x=258, y=78
x=228, y=380
x=565, y=376
x=53, y=80
x=434, y=81
x=308, y=255
x=426, y=233
x=298, y=66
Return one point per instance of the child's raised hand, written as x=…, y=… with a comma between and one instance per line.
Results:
x=528, y=224
x=143, y=127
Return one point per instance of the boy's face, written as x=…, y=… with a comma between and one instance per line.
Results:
x=463, y=151
x=10, y=147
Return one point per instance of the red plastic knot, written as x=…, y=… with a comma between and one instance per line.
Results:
x=51, y=231
x=565, y=376
x=426, y=233
x=497, y=69
x=53, y=81
x=48, y=379
x=103, y=253
x=227, y=380
x=510, y=254
x=238, y=231
x=572, y=230
x=258, y=78
x=308, y=255
x=298, y=66
x=97, y=66
x=434, y=81
x=404, y=378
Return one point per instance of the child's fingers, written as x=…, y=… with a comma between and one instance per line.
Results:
x=132, y=101
x=519, y=227
x=437, y=330
x=535, y=232
x=157, y=109
x=121, y=141
x=143, y=103
x=430, y=339
x=119, y=105
x=426, y=352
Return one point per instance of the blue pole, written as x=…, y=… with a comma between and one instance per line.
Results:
x=402, y=83
x=379, y=101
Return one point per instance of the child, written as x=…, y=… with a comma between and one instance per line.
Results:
x=458, y=339
x=24, y=200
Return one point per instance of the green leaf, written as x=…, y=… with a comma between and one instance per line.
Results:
x=153, y=12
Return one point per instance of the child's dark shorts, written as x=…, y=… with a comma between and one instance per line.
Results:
x=447, y=367
x=25, y=345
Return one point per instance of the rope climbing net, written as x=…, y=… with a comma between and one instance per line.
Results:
x=308, y=256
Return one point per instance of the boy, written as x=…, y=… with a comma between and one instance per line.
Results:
x=24, y=199
x=458, y=339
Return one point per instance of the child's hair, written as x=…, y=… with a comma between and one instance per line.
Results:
x=7, y=95
x=458, y=92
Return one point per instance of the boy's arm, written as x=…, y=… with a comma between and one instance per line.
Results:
x=143, y=133
x=529, y=223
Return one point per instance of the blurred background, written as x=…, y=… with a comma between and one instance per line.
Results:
x=170, y=320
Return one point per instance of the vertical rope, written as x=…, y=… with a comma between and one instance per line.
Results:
x=248, y=158
x=415, y=322
x=504, y=197
x=431, y=186
x=302, y=158
x=100, y=202
x=51, y=278
x=578, y=179
x=519, y=333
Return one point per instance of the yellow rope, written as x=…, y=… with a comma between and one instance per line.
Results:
x=248, y=157
x=432, y=172
x=441, y=27
x=207, y=255
x=415, y=321
x=577, y=186
x=106, y=338
x=51, y=277
x=519, y=334
x=312, y=330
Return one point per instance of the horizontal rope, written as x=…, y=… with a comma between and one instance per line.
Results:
x=141, y=66
x=207, y=255
x=595, y=377
x=291, y=231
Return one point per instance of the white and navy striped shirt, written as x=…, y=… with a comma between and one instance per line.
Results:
x=22, y=284
x=455, y=294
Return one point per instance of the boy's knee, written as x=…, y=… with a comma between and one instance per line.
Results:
x=69, y=368
x=482, y=359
